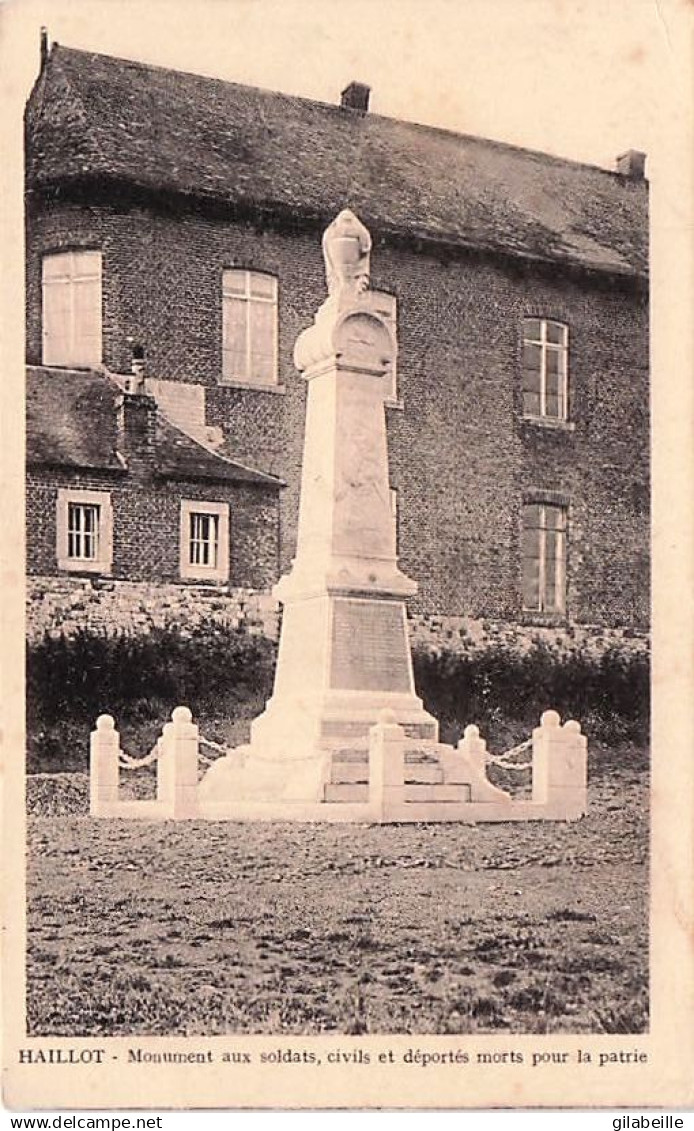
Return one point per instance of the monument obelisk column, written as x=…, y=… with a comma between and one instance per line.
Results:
x=344, y=651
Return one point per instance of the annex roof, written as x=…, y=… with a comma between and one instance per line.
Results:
x=72, y=423
x=95, y=116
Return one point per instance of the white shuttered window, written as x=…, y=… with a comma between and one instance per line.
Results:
x=249, y=327
x=72, y=308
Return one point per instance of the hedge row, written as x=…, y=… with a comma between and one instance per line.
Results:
x=225, y=672
x=609, y=694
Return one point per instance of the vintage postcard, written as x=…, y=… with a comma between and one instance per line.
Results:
x=347, y=584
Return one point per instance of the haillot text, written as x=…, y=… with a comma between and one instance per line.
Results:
x=415, y=1056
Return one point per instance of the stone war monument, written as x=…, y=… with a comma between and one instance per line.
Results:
x=344, y=735
x=344, y=654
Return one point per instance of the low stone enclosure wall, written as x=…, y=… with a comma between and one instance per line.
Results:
x=68, y=605
x=558, y=766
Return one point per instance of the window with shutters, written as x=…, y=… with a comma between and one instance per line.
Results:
x=84, y=525
x=386, y=305
x=204, y=540
x=249, y=327
x=71, y=311
x=544, y=557
x=545, y=377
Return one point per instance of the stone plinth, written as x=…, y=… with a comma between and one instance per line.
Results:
x=104, y=773
x=560, y=760
x=177, y=766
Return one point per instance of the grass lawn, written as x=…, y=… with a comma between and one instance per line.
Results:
x=218, y=927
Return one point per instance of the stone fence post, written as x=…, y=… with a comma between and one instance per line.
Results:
x=177, y=766
x=104, y=770
x=467, y=764
x=560, y=767
x=387, y=743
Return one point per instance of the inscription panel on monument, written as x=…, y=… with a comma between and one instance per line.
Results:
x=369, y=646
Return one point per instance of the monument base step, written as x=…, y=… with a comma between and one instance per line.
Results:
x=359, y=791
x=357, y=772
x=333, y=731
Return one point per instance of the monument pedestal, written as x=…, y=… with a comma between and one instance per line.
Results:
x=342, y=660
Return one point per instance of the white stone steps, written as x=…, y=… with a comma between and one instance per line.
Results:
x=429, y=773
x=422, y=793
x=445, y=793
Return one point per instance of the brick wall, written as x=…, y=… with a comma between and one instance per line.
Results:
x=146, y=523
x=461, y=458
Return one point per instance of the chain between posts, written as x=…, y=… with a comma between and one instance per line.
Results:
x=128, y=763
x=213, y=746
x=503, y=759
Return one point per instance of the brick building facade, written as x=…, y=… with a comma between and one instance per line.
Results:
x=518, y=431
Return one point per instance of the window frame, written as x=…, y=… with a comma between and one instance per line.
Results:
x=395, y=514
x=377, y=295
x=246, y=380
x=70, y=279
x=194, y=571
x=561, y=560
x=546, y=347
x=102, y=562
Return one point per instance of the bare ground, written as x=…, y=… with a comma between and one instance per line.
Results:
x=205, y=928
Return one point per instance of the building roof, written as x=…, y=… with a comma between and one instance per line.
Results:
x=180, y=456
x=72, y=423
x=93, y=115
x=71, y=419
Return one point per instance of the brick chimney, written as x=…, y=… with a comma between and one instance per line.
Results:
x=136, y=425
x=356, y=97
x=136, y=382
x=632, y=164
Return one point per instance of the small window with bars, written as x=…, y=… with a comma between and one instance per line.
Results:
x=84, y=521
x=544, y=557
x=545, y=381
x=203, y=545
x=83, y=531
x=249, y=327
